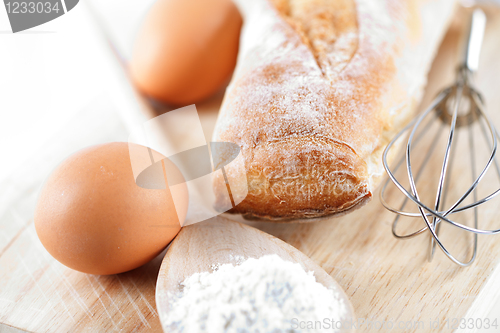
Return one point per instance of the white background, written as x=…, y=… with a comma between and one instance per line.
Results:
x=51, y=72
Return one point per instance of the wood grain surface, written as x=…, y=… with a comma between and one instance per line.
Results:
x=386, y=279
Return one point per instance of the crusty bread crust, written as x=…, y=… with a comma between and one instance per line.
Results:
x=320, y=88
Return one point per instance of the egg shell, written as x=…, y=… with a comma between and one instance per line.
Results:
x=92, y=217
x=186, y=50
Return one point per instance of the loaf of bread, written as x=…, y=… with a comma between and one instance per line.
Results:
x=320, y=88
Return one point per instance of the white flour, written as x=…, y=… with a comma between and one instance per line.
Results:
x=260, y=295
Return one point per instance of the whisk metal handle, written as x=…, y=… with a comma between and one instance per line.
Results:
x=474, y=40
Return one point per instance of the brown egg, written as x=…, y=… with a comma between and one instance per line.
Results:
x=92, y=217
x=186, y=49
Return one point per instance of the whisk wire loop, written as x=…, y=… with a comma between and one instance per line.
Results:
x=438, y=214
x=459, y=106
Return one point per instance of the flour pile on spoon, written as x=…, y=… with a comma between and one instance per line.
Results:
x=259, y=295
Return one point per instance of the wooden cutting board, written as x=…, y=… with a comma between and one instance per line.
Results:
x=388, y=281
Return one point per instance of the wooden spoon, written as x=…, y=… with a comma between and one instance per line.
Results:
x=216, y=241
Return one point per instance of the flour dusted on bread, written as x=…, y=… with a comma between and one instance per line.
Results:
x=319, y=89
x=328, y=28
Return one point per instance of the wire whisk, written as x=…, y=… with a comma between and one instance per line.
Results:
x=459, y=108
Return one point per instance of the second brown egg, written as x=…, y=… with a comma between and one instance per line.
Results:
x=186, y=49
